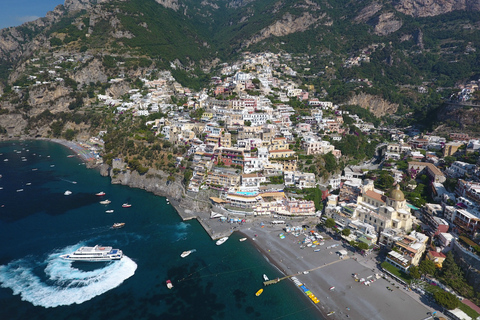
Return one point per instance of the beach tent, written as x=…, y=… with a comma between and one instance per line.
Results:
x=215, y=215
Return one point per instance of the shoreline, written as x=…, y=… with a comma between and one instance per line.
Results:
x=350, y=299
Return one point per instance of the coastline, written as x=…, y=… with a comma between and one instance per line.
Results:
x=350, y=299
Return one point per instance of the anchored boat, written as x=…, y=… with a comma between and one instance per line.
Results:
x=221, y=240
x=259, y=292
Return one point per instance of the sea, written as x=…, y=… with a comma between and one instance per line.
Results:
x=38, y=223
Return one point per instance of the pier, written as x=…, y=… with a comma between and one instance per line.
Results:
x=274, y=281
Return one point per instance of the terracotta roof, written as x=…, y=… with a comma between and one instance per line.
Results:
x=431, y=166
x=249, y=175
x=376, y=196
x=437, y=254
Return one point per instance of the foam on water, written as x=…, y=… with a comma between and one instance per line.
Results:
x=64, y=284
x=182, y=231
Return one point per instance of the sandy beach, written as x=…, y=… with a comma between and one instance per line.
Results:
x=349, y=299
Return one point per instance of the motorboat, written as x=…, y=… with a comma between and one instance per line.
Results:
x=105, y=202
x=221, y=240
x=100, y=194
x=109, y=211
x=242, y=239
x=94, y=254
x=118, y=225
x=169, y=284
x=265, y=277
x=332, y=288
x=126, y=205
x=186, y=253
x=259, y=292
x=67, y=193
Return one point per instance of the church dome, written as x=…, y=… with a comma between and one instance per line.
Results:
x=397, y=194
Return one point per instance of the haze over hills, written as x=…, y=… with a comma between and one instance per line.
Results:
x=396, y=45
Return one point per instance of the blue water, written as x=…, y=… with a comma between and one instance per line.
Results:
x=245, y=193
x=40, y=223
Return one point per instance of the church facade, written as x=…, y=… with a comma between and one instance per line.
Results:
x=383, y=211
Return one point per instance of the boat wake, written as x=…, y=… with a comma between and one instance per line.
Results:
x=61, y=283
x=181, y=231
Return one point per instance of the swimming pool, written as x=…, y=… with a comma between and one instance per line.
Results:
x=245, y=193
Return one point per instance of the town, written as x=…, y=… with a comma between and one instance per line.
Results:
x=262, y=144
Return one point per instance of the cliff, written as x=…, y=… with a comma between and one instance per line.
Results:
x=155, y=181
x=429, y=8
x=379, y=107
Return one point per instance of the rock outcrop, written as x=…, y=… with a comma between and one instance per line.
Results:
x=386, y=23
x=155, y=181
x=287, y=25
x=429, y=8
x=379, y=107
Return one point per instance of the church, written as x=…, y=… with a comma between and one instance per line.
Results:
x=383, y=211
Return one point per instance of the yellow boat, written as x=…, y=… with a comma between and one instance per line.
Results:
x=259, y=292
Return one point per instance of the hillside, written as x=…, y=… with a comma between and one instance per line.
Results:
x=383, y=49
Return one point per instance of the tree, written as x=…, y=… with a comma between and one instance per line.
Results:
x=362, y=246
x=427, y=267
x=248, y=123
x=414, y=272
x=346, y=232
x=330, y=223
x=446, y=299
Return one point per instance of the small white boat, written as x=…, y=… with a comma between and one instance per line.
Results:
x=118, y=225
x=265, y=277
x=100, y=194
x=27, y=184
x=221, y=240
x=105, y=202
x=332, y=288
x=187, y=253
x=126, y=205
x=5, y=160
x=19, y=190
x=67, y=193
x=242, y=239
x=109, y=211
x=169, y=284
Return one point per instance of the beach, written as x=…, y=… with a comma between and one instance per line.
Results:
x=349, y=299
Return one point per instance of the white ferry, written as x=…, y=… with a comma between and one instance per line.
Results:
x=94, y=254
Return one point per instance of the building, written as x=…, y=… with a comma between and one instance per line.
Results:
x=408, y=251
x=383, y=211
x=286, y=153
x=415, y=168
x=436, y=257
x=460, y=169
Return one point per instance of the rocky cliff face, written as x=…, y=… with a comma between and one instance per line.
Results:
x=386, y=23
x=376, y=105
x=429, y=8
x=155, y=181
x=287, y=25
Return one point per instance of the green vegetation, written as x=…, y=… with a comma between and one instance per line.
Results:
x=469, y=311
x=396, y=272
x=446, y=299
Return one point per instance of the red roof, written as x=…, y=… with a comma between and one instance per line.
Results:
x=437, y=254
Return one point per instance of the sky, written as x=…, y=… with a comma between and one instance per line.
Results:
x=15, y=12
